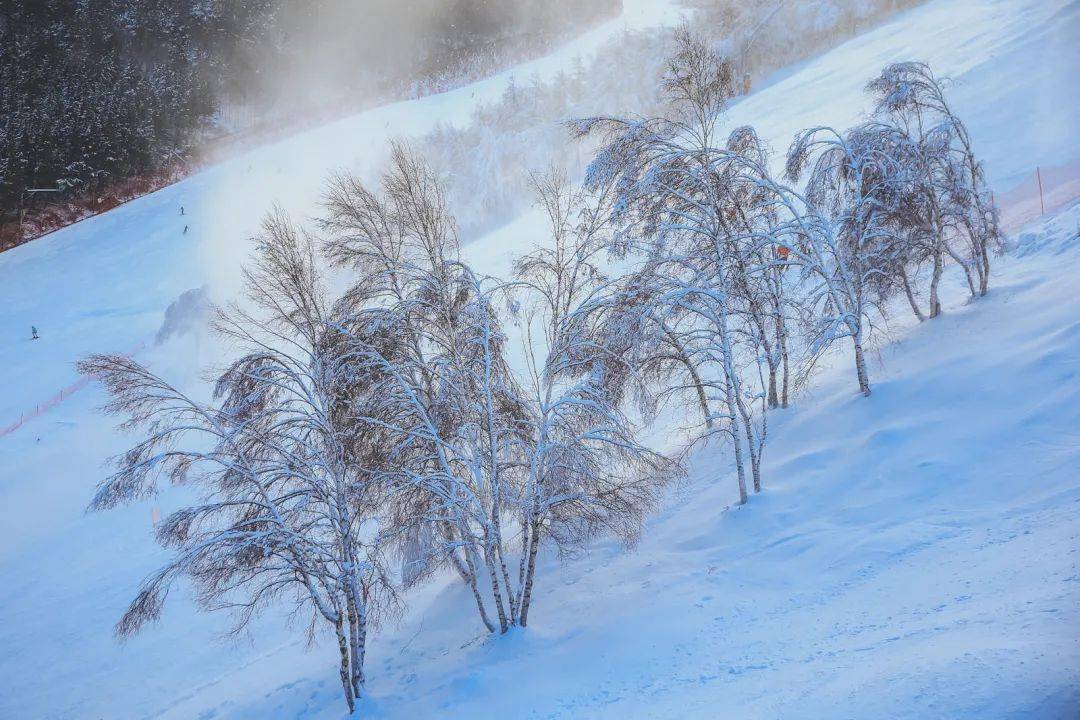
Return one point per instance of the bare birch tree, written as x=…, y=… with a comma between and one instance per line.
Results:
x=587, y=471
x=482, y=470
x=694, y=215
x=428, y=336
x=841, y=238
x=948, y=210
x=282, y=510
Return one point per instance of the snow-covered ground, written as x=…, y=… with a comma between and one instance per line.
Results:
x=915, y=555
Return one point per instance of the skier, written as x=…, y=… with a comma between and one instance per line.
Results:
x=181, y=209
x=33, y=333
x=185, y=229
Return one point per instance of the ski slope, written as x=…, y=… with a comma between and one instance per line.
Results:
x=914, y=554
x=104, y=283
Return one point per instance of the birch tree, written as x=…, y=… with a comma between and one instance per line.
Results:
x=949, y=210
x=691, y=209
x=430, y=345
x=587, y=470
x=841, y=239
x=483, y=472
x=283, y=514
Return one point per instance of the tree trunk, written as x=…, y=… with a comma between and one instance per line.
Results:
x=354, y=645
x=984, y=273
x=780, y=328
x=513, y=600
x=731, y=391
x=495, y=590
x=911, y=295
x=530, y=571
x=468, y=574
x=359, y=653
x=523, y=565
x=967, y=269
x=357, y=632
x=748, y=429
x=970, y=280
x=784, y=361
x=860, y=368
x=739, y=469
x=770, y=358
x=703, y=399
x=346, y=678
x=935, y=280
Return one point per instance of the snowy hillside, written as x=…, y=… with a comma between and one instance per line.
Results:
x=913, y=555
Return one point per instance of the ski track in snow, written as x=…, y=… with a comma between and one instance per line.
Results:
x=914, y=555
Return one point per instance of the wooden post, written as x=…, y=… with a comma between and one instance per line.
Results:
x=1042, y=205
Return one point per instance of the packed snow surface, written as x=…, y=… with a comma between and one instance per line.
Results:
x=915, y=554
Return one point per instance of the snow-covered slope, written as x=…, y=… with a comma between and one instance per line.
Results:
x=913, y=555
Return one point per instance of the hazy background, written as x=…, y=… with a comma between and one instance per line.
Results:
x=326, y=56
x=104, y=101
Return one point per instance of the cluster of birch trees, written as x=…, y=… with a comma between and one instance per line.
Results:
x=481, y=160
x=433, y=419
x=740, y=280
